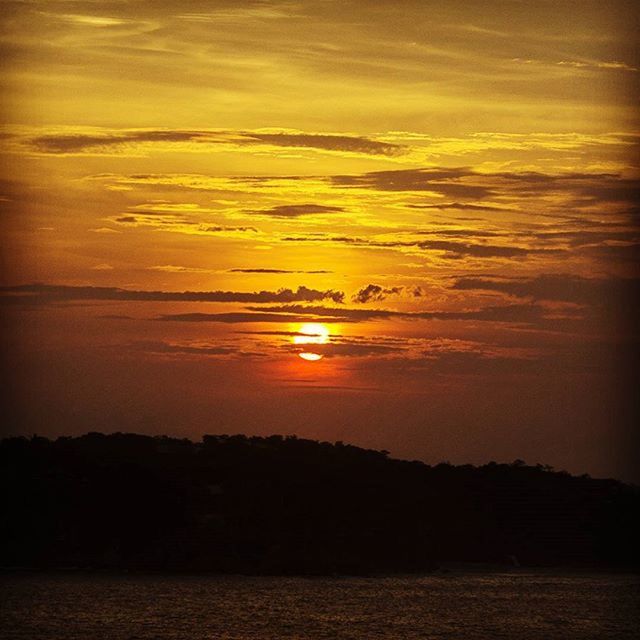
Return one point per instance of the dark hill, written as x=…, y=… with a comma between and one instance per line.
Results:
x=287, y=505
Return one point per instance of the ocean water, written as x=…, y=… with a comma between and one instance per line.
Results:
x=462, y=606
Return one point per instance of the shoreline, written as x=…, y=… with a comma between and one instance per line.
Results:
x=444, y=570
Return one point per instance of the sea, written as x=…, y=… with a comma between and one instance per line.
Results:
x=515, y=605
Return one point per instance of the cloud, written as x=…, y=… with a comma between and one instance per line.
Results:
x=465, y=182
x=295, y=210
x=44, y=294
x=70, y=143
x=612, y=253
x=222, y=228
x=496, y=192
x=460, y=249
x=597, y=65
x=174, y=268
x=177, y=218
x=159, y=347
x=375, y=293
x=104, y=230
x=263, y=270
x=197, y=220
x=560, y=287
x=254, y=316
x=584, y=237
x=108, y=141
x=459, y=233
x=439, y=180
x=451, y=249
x=513, y=313
x=458, y=205
x=348, y=349
x=415, y=352
x=336, y=239
x=353, y=144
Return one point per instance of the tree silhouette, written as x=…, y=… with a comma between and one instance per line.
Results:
x=283, y=505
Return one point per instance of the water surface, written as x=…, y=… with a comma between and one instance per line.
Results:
x=465, y=606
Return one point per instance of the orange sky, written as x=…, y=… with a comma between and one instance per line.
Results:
x=447, y=189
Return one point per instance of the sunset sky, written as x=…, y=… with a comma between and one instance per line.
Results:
x=437, y=200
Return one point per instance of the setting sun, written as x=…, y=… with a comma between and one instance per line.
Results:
x=311, y=333
x=311, y=357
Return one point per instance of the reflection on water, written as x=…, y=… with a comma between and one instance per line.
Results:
x=528, y=605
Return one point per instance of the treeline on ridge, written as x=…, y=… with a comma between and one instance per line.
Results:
x=285, y=505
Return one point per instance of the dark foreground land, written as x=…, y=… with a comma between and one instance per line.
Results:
x=234, y=504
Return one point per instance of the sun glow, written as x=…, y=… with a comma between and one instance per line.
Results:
x=311, y=333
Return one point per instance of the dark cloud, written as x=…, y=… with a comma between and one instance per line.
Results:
x=587, y=187
x=464, y=182
x=75, y=143
x=337, y=239
x=560, y=287
x=444, y=181
x=116, y=316
x=458, y=205
x=274, y=332
x=43, y=293
x=461, y=249
x=160, y=347
x=458, y=233
x=610, y=189
x=514, y=313
x=218, y=229
x=374, y=293
x=327, y=142
x=342, y=339
x=415, y=291
x=451, y=249
x=254, y=316
x=597, y=357
x=295, y=210
x=488, y=192
x=324, y=313
x=78, y=143
x=622, y=253
x=261, y=270
x=346, y=349
x=582, y=238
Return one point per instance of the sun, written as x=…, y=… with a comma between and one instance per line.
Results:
x=311, y=333
x=309, y=356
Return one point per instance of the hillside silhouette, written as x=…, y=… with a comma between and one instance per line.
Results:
x=284, y=505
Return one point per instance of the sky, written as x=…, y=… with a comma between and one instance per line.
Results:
x=410, y=226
